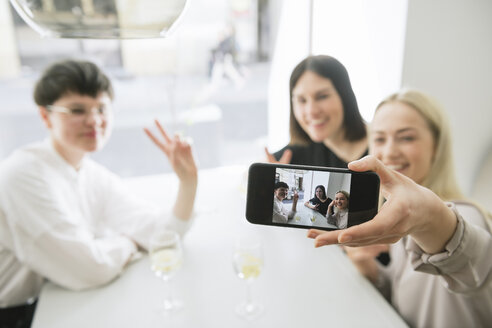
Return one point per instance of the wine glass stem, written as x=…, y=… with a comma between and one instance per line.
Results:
x=249, y=297
x=168, y=300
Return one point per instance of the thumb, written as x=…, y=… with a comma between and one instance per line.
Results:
x=371, y=163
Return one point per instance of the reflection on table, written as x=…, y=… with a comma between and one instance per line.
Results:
x=300, y=286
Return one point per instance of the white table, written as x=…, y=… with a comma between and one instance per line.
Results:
x=300, y=286
x=305, y=215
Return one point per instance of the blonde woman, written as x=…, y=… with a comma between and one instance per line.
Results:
x=440, y=273
x=340, y=217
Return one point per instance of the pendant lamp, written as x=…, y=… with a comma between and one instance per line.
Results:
x=101, y=19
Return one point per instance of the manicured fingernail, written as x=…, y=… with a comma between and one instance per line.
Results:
x=344, y=239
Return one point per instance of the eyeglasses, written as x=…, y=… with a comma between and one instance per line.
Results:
x=80, y=112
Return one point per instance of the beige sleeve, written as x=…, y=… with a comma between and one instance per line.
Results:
x=466, y=264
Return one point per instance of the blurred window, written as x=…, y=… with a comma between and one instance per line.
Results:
x=207, y=81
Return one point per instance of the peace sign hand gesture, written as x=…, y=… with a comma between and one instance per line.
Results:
x=178, y=153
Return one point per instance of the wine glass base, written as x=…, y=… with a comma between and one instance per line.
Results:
x=249, y=311
x=170, y=306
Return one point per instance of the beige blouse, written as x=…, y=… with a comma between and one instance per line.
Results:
x=449, y=289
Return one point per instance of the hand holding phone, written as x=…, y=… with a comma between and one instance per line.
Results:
x=269, y=203
x=410, y=209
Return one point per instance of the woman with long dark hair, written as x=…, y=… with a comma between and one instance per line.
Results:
x=319, y=202
x=326, y=127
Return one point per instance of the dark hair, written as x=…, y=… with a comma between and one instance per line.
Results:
x=60, y=78
x=329, y=68
x=280, y=184
x=322, y=189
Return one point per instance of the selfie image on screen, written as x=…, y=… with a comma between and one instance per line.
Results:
x=322, y=198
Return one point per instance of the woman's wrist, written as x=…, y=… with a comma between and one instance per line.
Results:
x=189, y=183
x=439, y=229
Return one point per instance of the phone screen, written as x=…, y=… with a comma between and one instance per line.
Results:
x=327, y=198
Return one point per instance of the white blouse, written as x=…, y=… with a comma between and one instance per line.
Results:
x=76, y=228
x=280, y=214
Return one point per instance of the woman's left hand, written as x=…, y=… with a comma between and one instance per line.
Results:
x=178, y=153
x=410, y=209
x=284, y=159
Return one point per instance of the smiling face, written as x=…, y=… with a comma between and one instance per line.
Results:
x=281, y=193
x=320, y=194
x=84, y=128
x=341, y=201
x=402, y=140
x=317, y=107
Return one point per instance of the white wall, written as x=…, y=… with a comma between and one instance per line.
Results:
x=448, y=54
x=338, y=181
x=290, y=48
x=319, y=178
x=367, y=36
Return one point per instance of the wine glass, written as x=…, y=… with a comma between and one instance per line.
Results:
x=166, y=257
x=248, y=263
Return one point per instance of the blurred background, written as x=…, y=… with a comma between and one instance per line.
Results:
x=207, y=80
x=221, y=77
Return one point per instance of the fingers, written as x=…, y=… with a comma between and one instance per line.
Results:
x=379, y=230
x=169, y=145
x=286, y=157
x=313, y=233
x=162, y=131
x=156, y=141
x=270, y=157
x=326, y=238
x=371, y=163
x=366, y=252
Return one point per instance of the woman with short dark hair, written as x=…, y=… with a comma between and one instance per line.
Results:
x=65, y=218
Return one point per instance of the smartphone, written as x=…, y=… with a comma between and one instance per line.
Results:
x=327, y=198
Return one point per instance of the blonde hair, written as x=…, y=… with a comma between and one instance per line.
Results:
x=441, y=178
x=346, y=194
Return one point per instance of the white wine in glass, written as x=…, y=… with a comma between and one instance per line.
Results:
x=166, y=257
x=248, y=264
